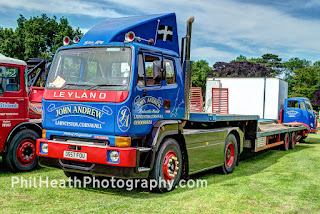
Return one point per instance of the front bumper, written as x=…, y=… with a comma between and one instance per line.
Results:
x=96, y=162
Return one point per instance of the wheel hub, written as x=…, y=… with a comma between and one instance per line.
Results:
x=170, y=166
x=26, y=152
x=230, y=154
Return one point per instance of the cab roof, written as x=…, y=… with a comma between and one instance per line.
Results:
x=8, y=60
x=297, y=98
x=162, y=28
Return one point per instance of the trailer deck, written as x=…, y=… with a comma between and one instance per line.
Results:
x=264, y=128
x=267, y=129
x=210, y=117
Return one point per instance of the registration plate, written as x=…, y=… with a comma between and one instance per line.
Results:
x=75, y=155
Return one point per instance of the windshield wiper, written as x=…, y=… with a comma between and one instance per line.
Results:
x=101, y=85
x=67, y=85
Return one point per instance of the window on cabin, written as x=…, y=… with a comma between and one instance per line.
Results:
x=148, y=66
x=91, y=69
x=293, y=104
x=141, y=77
x=170, y=72
x=12, y=77
x=309, y=106
x=302, y=106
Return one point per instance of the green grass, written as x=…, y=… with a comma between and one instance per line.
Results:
x=269, y=181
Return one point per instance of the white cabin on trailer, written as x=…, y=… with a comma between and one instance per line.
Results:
x=250, y=96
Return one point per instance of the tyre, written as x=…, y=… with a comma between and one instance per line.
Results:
x=230, y=155
x=167, y=168
x=293, y=140
x=21, y=154
x=286, y=140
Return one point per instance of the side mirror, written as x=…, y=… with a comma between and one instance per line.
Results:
x=3, y=85
x=159, y=71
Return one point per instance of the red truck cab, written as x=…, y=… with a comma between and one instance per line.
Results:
x=18, y=133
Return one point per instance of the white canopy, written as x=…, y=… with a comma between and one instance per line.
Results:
x=4, y=59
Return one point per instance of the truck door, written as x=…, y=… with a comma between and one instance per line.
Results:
x=311, y=117
x=148, y=99
x=293, y=111
x=12, y=100
x=155, y=99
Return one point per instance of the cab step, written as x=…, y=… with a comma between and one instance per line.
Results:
x=143, y=169
x=143, y=149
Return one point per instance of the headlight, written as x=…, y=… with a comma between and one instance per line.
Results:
x=44, y=148
x=114, y=156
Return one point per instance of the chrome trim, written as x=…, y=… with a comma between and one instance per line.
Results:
x=205, y=146
x=77, y=143
x=199, y=131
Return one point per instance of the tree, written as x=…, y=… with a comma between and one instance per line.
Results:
x=200, y=71
x=239, y=69
x=267, y=60
x=240, y=58
x=306, y=82
x=291, y=65
x=316, y=99
x=36, y=37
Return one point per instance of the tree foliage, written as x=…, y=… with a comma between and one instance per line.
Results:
x=40, y=36
x=240, y=69
x=200, y=71
x=306, y=82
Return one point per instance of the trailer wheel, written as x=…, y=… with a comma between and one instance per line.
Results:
x=230, y=154
x=286, y=142
x=167, y=167
x=293, y=140
x=21, y=155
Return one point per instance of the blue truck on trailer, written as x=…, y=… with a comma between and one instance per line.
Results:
x=117, y=104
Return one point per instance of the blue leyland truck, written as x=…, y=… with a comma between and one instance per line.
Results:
x=117, y=104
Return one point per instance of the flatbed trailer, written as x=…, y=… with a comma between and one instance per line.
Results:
x=125, y=112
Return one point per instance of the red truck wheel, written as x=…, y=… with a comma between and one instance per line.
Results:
x=21, y=154
x=167, y=165
x=292, y=144
x=230, y=154
x=286, y=140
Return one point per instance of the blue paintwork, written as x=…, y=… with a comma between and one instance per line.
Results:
x=114, y=30
x=136, y=115
x=298, y=114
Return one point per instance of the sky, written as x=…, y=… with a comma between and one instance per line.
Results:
x=223, y=29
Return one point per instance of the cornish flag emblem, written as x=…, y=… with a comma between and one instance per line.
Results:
x=165, y=33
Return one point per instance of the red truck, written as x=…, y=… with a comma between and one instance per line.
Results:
x=20, y=113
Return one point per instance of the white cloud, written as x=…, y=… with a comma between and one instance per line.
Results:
x=212, y=54
x=73, y=7
x=245, y=28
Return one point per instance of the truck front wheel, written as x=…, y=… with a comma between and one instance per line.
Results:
x=230, y=154
x=167, y=167
x=21, y=155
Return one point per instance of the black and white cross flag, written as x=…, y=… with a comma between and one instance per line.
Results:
x=165, y=33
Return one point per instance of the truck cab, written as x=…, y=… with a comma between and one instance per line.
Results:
x=105, y=94
x=18, y=133
x=299, y=109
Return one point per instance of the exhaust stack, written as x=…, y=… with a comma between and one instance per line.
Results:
x=187, y=67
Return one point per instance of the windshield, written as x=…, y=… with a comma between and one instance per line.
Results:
x=309, y=106
x=91, y=69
